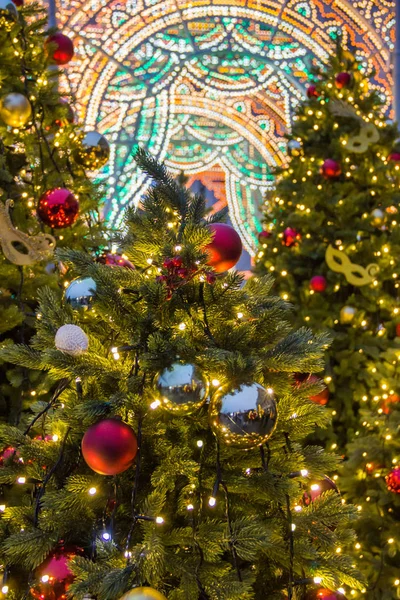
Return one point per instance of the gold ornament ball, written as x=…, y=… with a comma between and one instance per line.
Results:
x=182, y=389
x=377, y=217
x=245, y=417
x=347, y=314
x=15, y=110
x=94, y=151
x=143, y=593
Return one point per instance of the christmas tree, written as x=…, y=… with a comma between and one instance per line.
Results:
x=172, y=461
x=332, y=240
x=47, y=199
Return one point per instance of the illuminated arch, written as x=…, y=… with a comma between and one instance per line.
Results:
x=209, y=86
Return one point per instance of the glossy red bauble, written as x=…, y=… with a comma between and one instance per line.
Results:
x=312, y=91
x=18, y=2
x=324, y=594
x=386, y=404
x=54, y=576
x=318, y=488
x=320, y=398
x=109, y=447
x=393, y=481
x=330, y=169
x=290, y=237
x=115, y=260
x=318, y=283
x=58, y=208
x=342, y=80
x=263, y=236
x=394, y=157
x=60, y=48
x=398, y=329
x=225, y=249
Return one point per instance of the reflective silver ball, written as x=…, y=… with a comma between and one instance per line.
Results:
x=378, y=217
x=81, y=292
x=245, y=417
x=8, y=10
x=94, y=150
x=347, y=314
x=182, y=388
x=294, y=147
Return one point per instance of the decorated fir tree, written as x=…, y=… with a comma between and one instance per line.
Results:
x=47, y=199
x=172, y=462
x=332, y=240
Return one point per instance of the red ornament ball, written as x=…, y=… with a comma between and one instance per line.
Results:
x=290, y=237
x=115, y=260
x=324, y=594
x=393, y=481
x=398, y=329
x=330, y=169
x=62, y=48
x=225, y=249
x=386, y=405
x=394, y=157
x=18, y=2
x=342, y=80
x=318, y=283
x=54, y=576
x=312, y=91
x=58, y=208
x=263, y=236
x=109, y=447
x=318, y=488
x=322, y=397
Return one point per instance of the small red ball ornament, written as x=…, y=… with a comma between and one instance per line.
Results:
x=342, y=80
x=18, y=2
x=290, y=237
x=330, y=169
x=393, y=481
x=58, y=208
x=398, y=329
x=115, y=260
x=225, y=249
x=320, y=398
x=386, y=405
x=324, y=594
x=312, y=91
x=394, y=157
x=109, y=447
x=263, y=236
x=54, y=576
x=318, y=488
x=62, y=48
x=318, y=283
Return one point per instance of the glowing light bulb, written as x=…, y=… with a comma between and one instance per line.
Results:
x=159, y=520
x=92, y=491
x=155, y=404
x=304, y=472
x=200, y=443
x=212, y=501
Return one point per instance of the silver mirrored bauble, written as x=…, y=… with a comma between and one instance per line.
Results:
x=8, y=10
x=245, y=417
x=182, y=388
x=94, y=150
x=81, y=292
x=347, y=314
x=378, y=217
x=294, y=147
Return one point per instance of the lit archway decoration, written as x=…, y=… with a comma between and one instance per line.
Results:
x=209, y=87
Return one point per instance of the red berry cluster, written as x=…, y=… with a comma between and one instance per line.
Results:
x=177, y=274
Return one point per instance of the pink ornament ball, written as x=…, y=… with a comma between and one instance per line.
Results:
x=342, y=80
x=58, y=208
x=318, y=284
x=225, y=249
x=116, y=260
x=330, y=169
x=290, y=237
x=394, y=157
x=109, y=447
x=62, y=48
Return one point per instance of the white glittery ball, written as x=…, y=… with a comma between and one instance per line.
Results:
x=71, y=339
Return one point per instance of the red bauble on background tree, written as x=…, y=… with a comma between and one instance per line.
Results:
x=312, y=91
x=386, y=405
x=393, y=481
x=18, y=2
x=330, y=169
x=58, y=208
x=225, y=249
x=290, y=237
x=115, y=260
x=263, y=236
x=318, y=283
x=324, y=594
x=394, y=157
x=109, y=447
x=60, y=48
x=343, y=80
